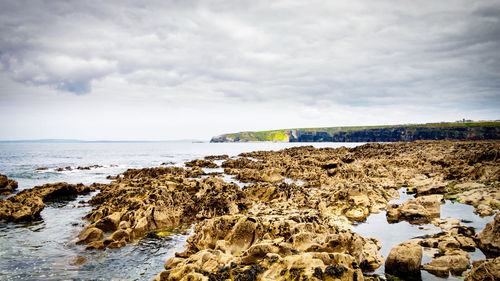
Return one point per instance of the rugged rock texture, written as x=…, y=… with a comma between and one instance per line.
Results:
x=27, y=204
x=452, y=245
x=217, y=157
x=7, y=186
x=418, y=210
x=404, y=259
x=485, y=270
x=201, y=164
x=146, y=200
x=291, y=220
x=292, y=246
x=489, y=239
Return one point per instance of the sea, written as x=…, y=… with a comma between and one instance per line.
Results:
x=45, y=249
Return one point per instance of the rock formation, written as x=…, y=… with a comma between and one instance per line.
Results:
x=7, y=186
x=489, y=239
x=296, y=245
x=485, y=270
x=418, y=210
x=291, y=221
x=154, y=199
x=28, y=203
x=404, y=260
x=201, y=164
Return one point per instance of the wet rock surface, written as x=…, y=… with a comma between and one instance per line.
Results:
x=7, y=186
x=146, y=200
x=489, y=239
x=27, y=204
x=416, y=211
x=404, y=260
x=201, y=164
x=274, y=228
x=296, y=245
x=485, y=270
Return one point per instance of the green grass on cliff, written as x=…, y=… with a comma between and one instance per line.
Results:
x=283, y=134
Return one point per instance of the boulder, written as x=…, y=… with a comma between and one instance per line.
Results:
x=489, y=239
x=419, y=210
x=89, y=235
x=404, y=259
x=7, y=186
x=454, y=262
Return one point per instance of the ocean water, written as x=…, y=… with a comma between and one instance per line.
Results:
x=46, y=249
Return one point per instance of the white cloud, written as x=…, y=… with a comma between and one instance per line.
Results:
x=268, y=64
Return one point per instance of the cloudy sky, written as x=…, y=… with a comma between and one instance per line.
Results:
x=193, y=69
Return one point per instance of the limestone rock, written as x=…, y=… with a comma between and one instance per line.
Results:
x=201, y=164
x=150, y=199
x=27, y=204
x=404, y=259
x=7, y=186
x=454, y=262
x=418, y=210
x=300, y=244
x=89, y=235
x=489, y=239
x=485, y=270
x=485, y=200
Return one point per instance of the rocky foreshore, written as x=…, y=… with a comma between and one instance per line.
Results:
x=291, y=221
x=7, y=186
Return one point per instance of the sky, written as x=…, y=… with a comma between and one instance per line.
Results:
x=181, y=69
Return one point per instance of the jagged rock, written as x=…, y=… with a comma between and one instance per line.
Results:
x=453, y=261
x=7, y=186
x=149, y=200
x=80, y=260
x=27, y=204
x=273, y=229
x=418, y=210
x=89, y=167
x=484, y=270
x=89, y=235
x=217, y=157
x=489, y=239
x=485, y=200
x=201, y=164
x=422, y=185
x=404, y=259
x=301, y=244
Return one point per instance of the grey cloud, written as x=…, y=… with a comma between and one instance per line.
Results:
x=339, y=52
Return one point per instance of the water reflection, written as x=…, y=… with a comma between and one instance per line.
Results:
x=391, y=234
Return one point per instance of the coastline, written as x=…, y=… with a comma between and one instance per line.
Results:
x=277, y=230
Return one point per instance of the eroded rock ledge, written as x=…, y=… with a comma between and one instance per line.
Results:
x=299, y=244
x=276, y=228
x=28, y=203
x=7, y=186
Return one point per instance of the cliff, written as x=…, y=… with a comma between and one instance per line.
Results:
x=431, y=131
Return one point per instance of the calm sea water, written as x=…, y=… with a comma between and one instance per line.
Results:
x=45, y=249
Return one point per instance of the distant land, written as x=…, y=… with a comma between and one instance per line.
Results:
x=460, y=130
x=95, y=141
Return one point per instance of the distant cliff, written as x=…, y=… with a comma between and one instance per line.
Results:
x=433, y=131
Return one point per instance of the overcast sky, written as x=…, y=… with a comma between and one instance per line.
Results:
x=194, y=69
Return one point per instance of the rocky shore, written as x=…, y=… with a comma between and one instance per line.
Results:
x=292, y=220
x=7, y=186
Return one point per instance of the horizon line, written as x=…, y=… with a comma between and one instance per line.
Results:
x=96, y=141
